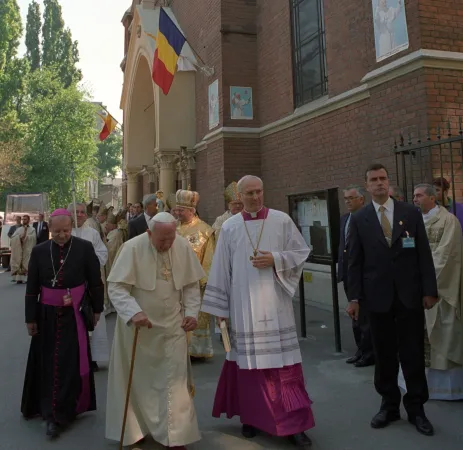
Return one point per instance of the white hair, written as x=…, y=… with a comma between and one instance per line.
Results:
x=162, y=217
x=247, y=178
x=148, y=199
x=71, y=206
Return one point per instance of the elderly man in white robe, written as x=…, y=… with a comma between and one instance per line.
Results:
x=99, y=339
x=255, y=272
x=154, y=285
x=444, y=324
x=22, y=243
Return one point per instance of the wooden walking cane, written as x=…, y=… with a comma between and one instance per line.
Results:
x=129, y=387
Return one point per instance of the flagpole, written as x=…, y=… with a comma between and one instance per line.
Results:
x=74, y=194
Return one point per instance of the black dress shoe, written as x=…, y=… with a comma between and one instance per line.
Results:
x=364, y=362
x=422, y=424
x=248, y=431
x=384, y=418
x=52, y=430
x=353, y=359
x=301, y=440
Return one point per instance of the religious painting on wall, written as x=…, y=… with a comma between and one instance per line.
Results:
x=390, y=27
x=241, y=103
x=214, y=104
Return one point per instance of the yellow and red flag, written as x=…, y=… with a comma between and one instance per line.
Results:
x=109, y=125
x=169, y=44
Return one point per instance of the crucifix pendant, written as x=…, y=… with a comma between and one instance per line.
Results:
x=53, y=282
x=251, y=258
x=166, y=273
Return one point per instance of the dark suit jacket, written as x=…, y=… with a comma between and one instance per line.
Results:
x=342, y=252
x=377, y=272
x=137, y=226
x=44, y=233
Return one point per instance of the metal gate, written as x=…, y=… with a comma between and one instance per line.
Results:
x=438, y=155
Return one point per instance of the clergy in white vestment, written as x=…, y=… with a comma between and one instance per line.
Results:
x=255, y=272
x=444, y=323
x=99, y=339
x=22, y=243
x=154, y=285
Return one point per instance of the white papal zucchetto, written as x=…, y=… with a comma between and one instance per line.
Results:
x=163, y=217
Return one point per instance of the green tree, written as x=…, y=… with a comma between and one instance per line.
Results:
x=110, y=155
x=13, y=85
x=52, y=30
x=61, y=130
x=33, y=29
x=12, y=169
x=10, y=31
x=59, y=50
x=69, y=58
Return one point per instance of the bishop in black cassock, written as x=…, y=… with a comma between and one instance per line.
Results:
x=59, y=384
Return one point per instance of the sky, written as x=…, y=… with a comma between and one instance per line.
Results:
x=96, y=25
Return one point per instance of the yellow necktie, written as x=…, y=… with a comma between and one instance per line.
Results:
x=386, y=225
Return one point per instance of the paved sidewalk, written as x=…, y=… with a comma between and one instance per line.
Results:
x=344, y=398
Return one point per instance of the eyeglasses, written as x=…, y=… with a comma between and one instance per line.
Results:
x=349, y=199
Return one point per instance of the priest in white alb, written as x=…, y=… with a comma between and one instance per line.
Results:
x=154, y=285
x=444, y=322
x=22, y=243
x=255, y=272
x=99, y=339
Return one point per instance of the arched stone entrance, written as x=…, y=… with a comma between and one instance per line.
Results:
x=159, y=130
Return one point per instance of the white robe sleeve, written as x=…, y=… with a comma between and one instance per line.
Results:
x=100, y=249
x=290, y=262
x=192, y=300
x=216, y=300
x=126, y=306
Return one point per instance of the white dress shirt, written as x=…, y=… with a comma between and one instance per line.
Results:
x=148, y=218
x=389, y=211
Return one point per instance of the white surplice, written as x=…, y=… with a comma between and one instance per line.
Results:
x=99, y=339
x=258, y=301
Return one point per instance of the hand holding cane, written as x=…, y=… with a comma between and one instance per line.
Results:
x=129, y=387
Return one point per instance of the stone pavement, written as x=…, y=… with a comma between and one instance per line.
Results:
x=344, y=398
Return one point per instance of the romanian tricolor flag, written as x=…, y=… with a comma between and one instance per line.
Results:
x=169, y=44
x=109, y=125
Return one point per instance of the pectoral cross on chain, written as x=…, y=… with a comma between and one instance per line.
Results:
x=265, y=321
x=166, y=273
x=253, y=257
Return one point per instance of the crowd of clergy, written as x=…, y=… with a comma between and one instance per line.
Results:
x=167, y=274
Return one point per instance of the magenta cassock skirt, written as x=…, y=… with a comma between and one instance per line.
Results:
x=272, y=400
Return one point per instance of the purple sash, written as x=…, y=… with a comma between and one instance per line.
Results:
x=54, y=297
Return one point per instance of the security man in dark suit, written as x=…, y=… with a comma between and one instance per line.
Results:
x=139, y=225
x=391, y=274
x=354, y=198
x=41, y=230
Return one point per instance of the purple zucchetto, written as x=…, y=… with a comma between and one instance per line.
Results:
x=61, y=212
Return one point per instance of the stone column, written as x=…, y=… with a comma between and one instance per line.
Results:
x=152, y=179
x=148, y=4
x=187, y=164
x=166, y=162
x=132, y=187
